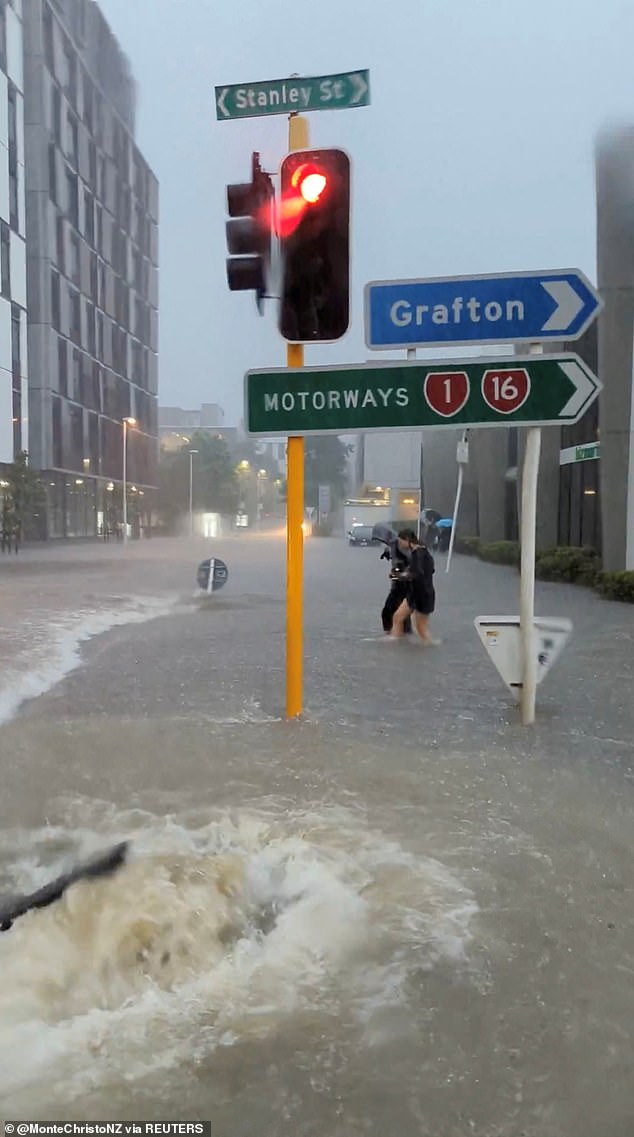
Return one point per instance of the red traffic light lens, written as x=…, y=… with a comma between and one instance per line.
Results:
x=310, y=182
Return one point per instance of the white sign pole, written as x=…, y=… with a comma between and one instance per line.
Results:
x=462, y=455
x=528, y=528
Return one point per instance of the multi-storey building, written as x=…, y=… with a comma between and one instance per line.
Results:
x=92, y=271
x=13, y=337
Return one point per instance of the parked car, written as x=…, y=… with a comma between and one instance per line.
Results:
x=362, y=535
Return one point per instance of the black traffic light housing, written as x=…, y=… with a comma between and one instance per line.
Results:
x=250, y=232
x=313, y=226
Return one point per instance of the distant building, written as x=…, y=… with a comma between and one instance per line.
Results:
x=92, y=271
x=177, y=425
x=13, y=292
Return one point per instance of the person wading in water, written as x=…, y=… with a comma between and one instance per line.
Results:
x=421, y=596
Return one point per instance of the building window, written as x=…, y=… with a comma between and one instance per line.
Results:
x=94, y=286
x=14, y=208
x=5, y=245
x=99, y=227
x=89, y=101
x=49, y=48
x=72, y=130
x=57, y=431
x=3, y=38
x=103, y=178
x=90, y=329
x=76, y=375
x=62, y=361
x=75, y=458
x=96, y=386
x=15, y=343
x=74, y=269
x=75, y=315
x=100, y=334
x=55, y=301
x=17, y=418
x=89, y=217
x=92, y=165
x=13, y=125
x=98, y=108
x=93, y=442
x=70, y=60
x=16, y=370
x=59, y=242
x=72, y=191
x=57, y=114
x=81, y=21
x=52, y=172
x=101, y=300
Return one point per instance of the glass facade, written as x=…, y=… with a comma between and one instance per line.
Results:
x=98, y=364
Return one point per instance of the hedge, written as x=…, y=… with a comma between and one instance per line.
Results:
x=617, y=586
x=567, y=564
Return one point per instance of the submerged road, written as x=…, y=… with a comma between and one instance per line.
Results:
x=404, y=914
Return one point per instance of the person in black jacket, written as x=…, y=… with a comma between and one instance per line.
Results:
x=421, y=596
x=400, y=586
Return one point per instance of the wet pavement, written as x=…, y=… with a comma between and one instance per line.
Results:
x=429, y=926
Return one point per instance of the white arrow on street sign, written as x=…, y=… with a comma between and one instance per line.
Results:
x=220, y=100
x=360, y=86
x=501, y=638
x=569, y=304
x=584, y=388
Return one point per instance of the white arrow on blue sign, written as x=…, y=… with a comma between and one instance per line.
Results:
x=521, y=307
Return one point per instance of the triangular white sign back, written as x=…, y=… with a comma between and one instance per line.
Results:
x=501, y=638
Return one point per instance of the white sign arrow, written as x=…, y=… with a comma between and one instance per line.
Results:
x=568, y=302
x=221, y=101
x=360, y=86
x=584, y=388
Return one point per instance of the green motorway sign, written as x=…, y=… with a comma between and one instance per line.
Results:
x=287, y=96
x=355, y=398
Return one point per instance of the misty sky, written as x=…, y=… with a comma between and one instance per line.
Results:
x=476, y=154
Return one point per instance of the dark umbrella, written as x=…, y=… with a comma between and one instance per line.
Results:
x=383, y=533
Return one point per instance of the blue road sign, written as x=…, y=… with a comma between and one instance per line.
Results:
x=520, y=307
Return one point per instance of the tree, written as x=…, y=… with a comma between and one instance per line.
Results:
x=325, y=464
x=22, y=498
x=214, y=482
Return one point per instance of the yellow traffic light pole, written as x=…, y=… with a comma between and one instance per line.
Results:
x=297, y=140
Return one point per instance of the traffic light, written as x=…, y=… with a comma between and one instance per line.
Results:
x=249, y=234
x=314, y=234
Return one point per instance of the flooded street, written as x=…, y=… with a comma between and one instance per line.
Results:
x=404, y=914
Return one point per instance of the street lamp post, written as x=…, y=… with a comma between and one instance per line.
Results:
x=191, y=491
x=127, y=422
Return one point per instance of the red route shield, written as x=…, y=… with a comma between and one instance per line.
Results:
x=507, y=389
x=446, y=392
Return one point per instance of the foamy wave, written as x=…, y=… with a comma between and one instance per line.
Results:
x=56, y=651
x=220, y=930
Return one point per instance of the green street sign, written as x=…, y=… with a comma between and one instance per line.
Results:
x=288, y=96
x=532, y=390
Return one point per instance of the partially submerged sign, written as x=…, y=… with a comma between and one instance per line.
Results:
x=501, y=638
x=212, y=575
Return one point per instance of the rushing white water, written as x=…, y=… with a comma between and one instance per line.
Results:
x=45, y=647
x=222, y=928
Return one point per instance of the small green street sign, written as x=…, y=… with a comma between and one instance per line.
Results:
x=587, y=452
x=357, y=398
x=288, y=96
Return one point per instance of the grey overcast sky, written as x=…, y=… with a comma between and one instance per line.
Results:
x=476, y=154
